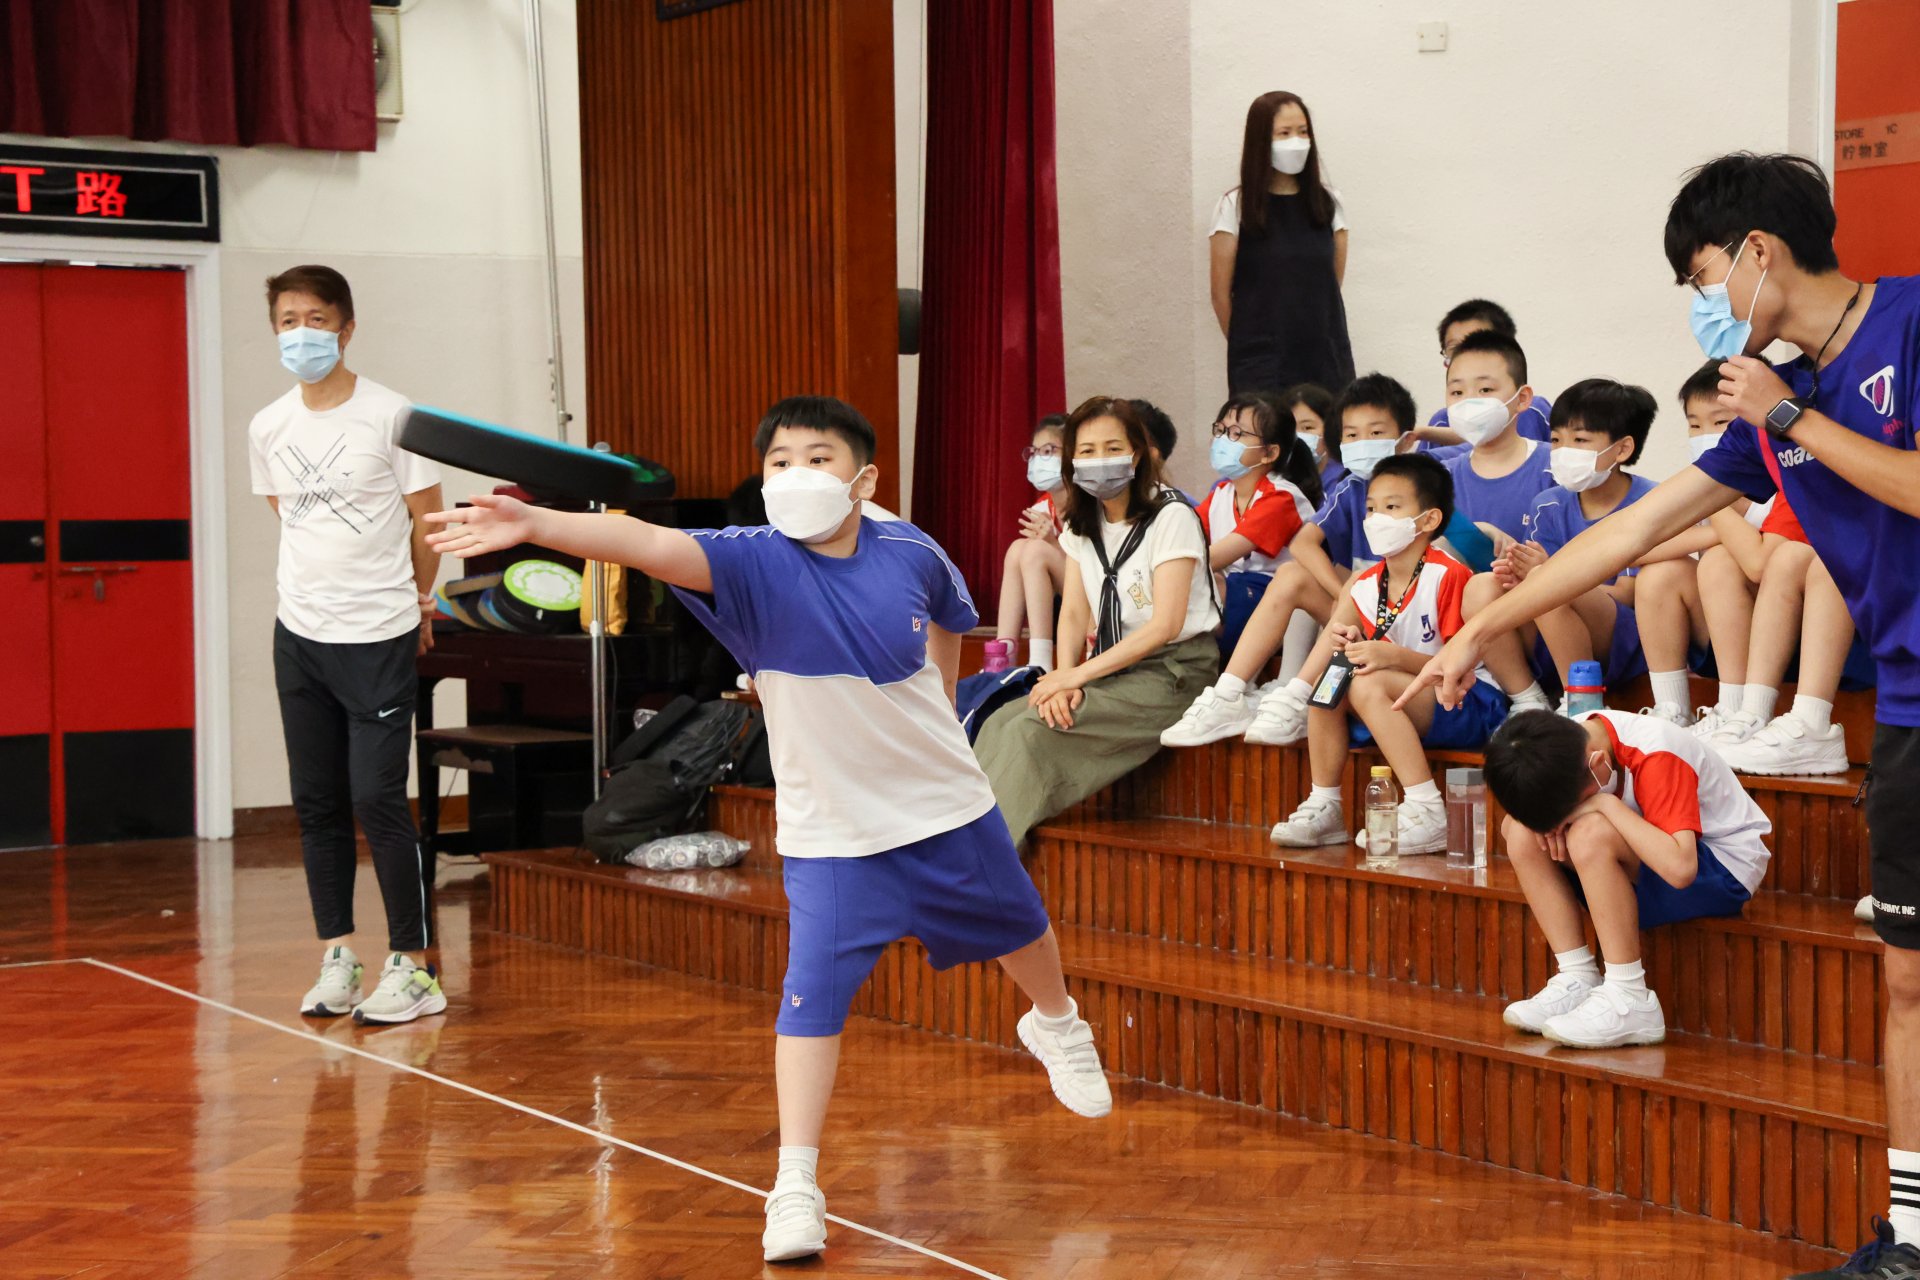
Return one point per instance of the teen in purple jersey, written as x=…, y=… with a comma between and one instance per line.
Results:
x=1833, y=430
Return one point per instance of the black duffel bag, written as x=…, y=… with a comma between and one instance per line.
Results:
x=659, y=778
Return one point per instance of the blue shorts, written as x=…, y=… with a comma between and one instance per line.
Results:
x=1714, y=892
x=962, y=893
x=1623, y=660
x=1465, y=728
x=1244, y=590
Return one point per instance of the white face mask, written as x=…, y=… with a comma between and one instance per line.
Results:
x=808, y=504
x=1578, y=469
x=1699, y=447
x=1043, y=472
x=1388, y=535
x=1481, y=418
x=1290, y=154
x=1361, y=456
x=1312, y=441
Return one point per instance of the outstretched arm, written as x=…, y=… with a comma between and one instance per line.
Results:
x=494, y=523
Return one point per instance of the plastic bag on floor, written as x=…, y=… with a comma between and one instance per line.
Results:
x=688, y=850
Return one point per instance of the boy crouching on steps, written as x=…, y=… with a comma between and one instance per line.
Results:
x=1638, y=821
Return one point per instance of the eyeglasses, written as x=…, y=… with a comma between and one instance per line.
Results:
x=1694, y=283
x=1031, y=452
x=1235, y=432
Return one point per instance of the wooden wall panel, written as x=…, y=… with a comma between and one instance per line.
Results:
x=737, y=168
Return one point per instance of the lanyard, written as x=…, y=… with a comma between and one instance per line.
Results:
x=1384, y=616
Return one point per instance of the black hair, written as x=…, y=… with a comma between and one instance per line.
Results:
x=1492, y=314
x=1432, y=482
x=323, y=283
x=1501, y=344
x=1160, y=428
x=1052, y=422
x=1703, y=382
x=1317, y=399
x=1274, y=423
x=1537, y=768
x=1613, y=408
x=833, y=416
x=1377, y=391
x=1256, y=165
x=1083, y=511
x=1724, y=199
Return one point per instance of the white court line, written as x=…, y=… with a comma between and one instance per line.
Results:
x=40, y=964
x=521, y=1107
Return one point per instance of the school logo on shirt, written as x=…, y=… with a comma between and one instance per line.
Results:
x=918, y=622
x=796, y=1001
x=1878, y=390
x=1427, y=632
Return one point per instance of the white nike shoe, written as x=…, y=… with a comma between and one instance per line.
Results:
x=1563, y=993
x=1281, y=719
x=1316, y=822
x=405, y=992
x=1672, y=712
x=1787, y=746
x=1610, y=1018
x=796, y=1222
x=1072, y=1061
x=1213, y=717
x=338, y=988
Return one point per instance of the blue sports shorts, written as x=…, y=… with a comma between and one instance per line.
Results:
x=1714, y=892
x=963, y=894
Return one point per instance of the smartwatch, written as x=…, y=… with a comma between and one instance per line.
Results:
x=1780, y=421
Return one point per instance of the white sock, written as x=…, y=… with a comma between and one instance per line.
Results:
x=1731, y=696
x=1532, y=696
x=1904, y=1168
x=1760, y=700
x=1670, y=687
x=1627, y=977
x=1328, y=793
x=1579, y=961
x=1040, y=654
x=1427, y=792
x=1815, y=713
x=1300, y=688
x=798, y=1164
x=1231, y=687
x=1062, y=1023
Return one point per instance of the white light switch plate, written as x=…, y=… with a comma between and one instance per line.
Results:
x=1432, y=37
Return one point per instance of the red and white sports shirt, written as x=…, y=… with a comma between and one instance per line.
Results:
x=1430, y=617
x=1278, y=511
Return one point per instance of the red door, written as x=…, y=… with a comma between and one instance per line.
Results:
x=1877, y=85
x=96, y=683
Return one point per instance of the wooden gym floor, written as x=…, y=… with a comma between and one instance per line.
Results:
x=166, y=1115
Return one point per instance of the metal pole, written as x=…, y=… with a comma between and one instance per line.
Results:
x=597, y=666
x=556, y=366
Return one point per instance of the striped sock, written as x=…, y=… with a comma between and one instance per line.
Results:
x=1904, y=1169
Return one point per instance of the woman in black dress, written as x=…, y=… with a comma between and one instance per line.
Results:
x=1279, y=252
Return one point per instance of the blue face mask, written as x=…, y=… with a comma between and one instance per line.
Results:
x=1720, y=336
x=1043, y=472
x=1361, y=456
x=1225, y=455
x=309, y=354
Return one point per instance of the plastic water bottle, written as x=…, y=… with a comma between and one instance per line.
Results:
x=999, y=656
x=1383, y=819
x=1466, y=819
x=691, y=849
x=1584, y=691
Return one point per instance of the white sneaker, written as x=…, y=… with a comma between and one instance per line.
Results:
x=406, y=992
x=1786, y=746
x=1563, y=993
x=1423, y=828
x=1672, y=712
x=1213, y=717
x=338, y=989
x=1316, y=822
x=1707, y=721
x=1732, y=731
x=1609, y=1018
x=1863, y=910
x=796, y=1223
x=1072, y=1061
x=1281, y=719
x=1529, y=702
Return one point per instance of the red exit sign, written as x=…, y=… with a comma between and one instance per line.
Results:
x=124, y=194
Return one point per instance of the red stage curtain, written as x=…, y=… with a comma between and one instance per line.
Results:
x=992, y=361
x=232, y=72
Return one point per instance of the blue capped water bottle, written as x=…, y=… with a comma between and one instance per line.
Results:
x=1584, y=691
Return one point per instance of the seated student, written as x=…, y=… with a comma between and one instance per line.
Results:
x=1599, y=427
x=1035, y=568
x=1370, y=416
x=1163, y=434
x=1268, y=489
x=1391, y=620
x=1144, y=597
x=1317, y=428
x=1634, y=819
x=1476, y=315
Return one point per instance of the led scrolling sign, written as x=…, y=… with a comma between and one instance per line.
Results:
x=137, y=195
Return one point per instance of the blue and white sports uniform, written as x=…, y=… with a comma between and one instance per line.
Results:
x=885, y=823
x=1557, y=518
x=1342, y=520
x=1507, y=502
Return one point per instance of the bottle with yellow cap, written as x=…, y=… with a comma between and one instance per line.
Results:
x=1383, y=819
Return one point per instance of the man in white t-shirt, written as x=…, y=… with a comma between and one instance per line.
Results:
x=355, y=582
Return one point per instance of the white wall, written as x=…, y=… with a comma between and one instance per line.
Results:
x=1532, y=162
x=909, y=168
x=440, y=232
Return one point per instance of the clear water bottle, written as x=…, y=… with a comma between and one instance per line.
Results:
x=1584, y=691
x=1466, y=819
x=692, y=849
x=999, y=656
x=1383, y=819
